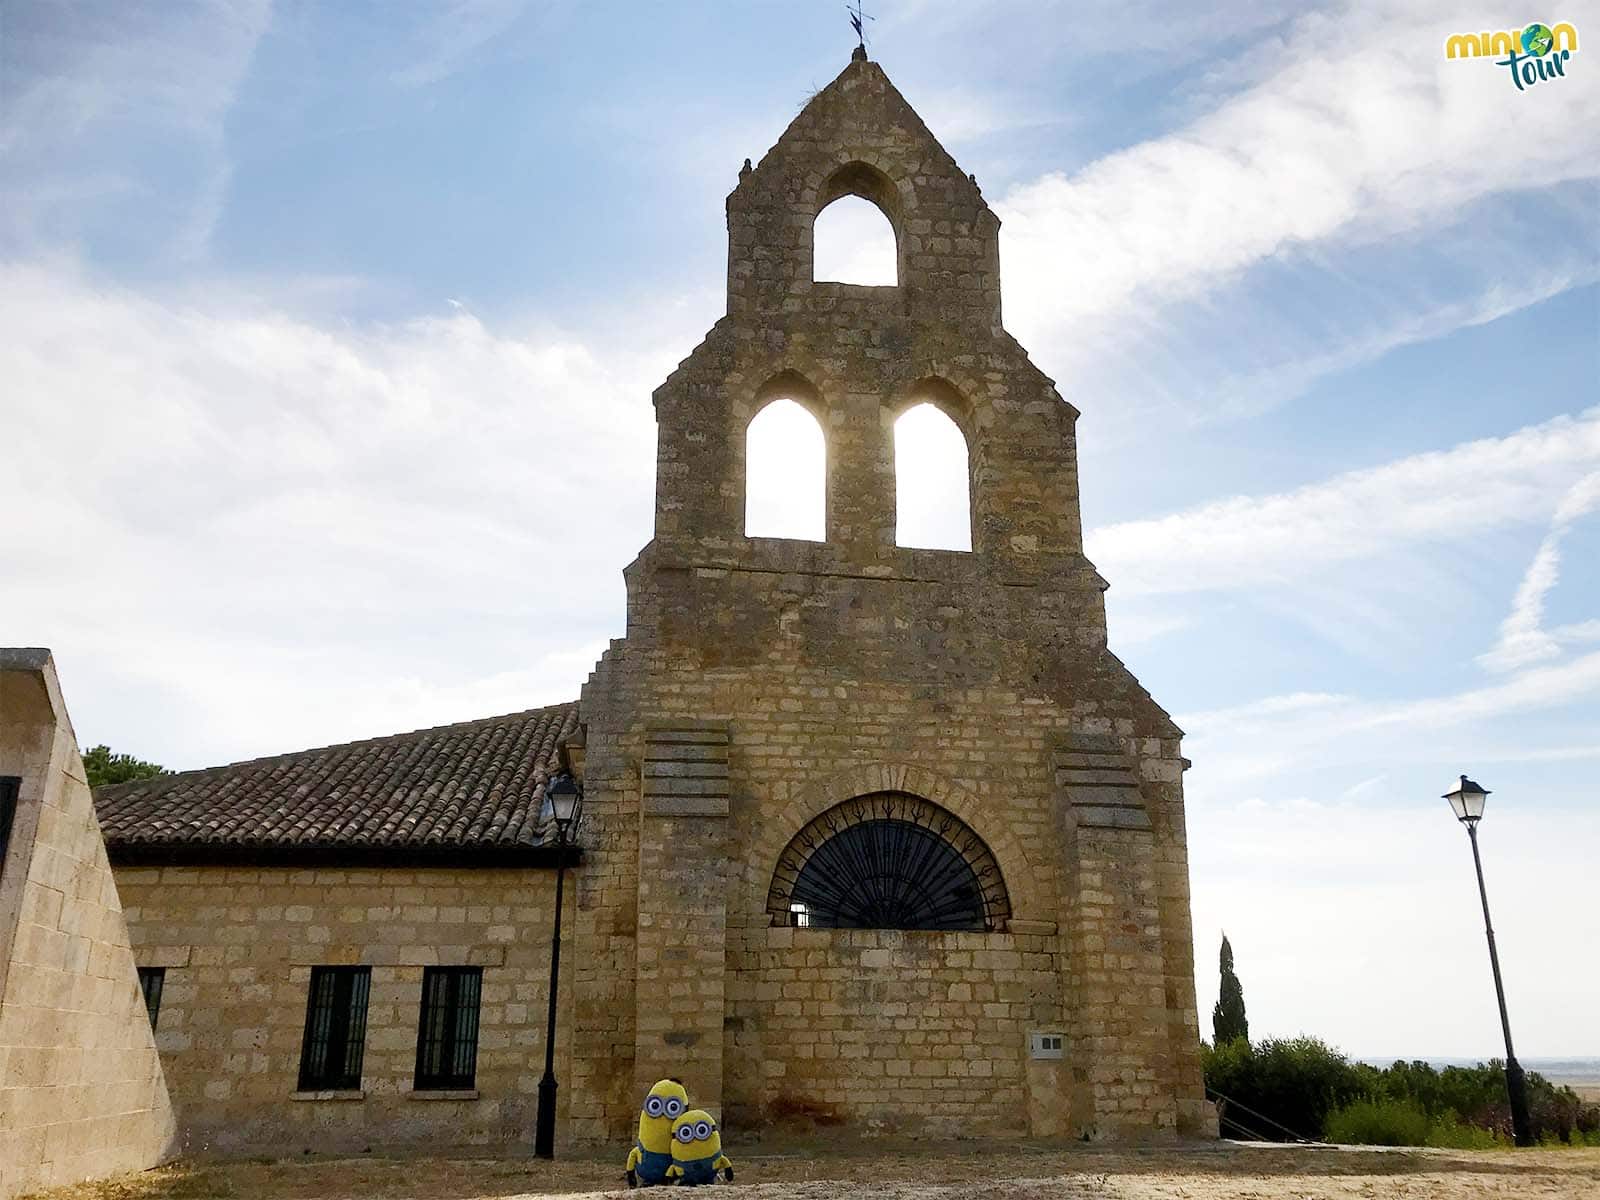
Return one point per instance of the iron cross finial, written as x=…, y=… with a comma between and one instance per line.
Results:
x=858, y=20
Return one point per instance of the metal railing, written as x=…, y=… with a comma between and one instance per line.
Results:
x=1252, y=1132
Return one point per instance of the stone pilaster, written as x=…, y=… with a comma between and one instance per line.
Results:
x=1116, y=971
x=683, y=907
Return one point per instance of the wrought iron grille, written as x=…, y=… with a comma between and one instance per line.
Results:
x=447, y=1035
x=336, y=1029
x=889, y=860
x=151, y=982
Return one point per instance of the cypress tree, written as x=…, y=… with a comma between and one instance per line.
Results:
x=1228, y=1021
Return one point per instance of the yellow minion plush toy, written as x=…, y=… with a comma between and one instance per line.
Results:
x=651, y=1156
x=697, y=1151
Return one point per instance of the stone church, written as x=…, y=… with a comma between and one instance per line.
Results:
x=876, y=837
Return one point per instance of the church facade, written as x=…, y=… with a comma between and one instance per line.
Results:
x=872, y=836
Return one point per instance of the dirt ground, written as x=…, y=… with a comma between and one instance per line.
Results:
x=920, y=1171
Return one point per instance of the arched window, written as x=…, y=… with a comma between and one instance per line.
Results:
x=786, y=474
x=853, y=242
x=889, y=860
x=932, y=506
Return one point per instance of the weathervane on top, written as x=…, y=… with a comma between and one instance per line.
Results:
x=858, y=20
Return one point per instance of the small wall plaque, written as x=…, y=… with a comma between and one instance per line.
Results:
x=1045, y=1045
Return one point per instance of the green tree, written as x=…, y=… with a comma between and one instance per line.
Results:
x=1228, y=1022
x=103, y=767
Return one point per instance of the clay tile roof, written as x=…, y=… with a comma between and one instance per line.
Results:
x=469, y=791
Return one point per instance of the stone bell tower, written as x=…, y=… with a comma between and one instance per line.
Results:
x=956, y=715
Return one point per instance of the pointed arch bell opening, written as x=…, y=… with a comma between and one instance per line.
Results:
x=932, y=473
x=786, y=470
x=853, y=242
x=855, y=237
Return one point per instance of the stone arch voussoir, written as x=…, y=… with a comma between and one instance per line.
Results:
x=816, y=798
x=787, y=381
x=861, y=171
x=953, y=391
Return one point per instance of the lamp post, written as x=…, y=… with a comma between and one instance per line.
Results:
x=1467, y=800
x=566, y=798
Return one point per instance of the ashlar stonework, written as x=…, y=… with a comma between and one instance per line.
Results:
x=81, y=1088
x=764, y=681
x=238, y=945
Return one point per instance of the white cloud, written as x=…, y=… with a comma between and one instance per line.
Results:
x=1578, y=631
x=95, y=91
x=1242, y=748
x=1358, y=122
x=1131, y=625
x=1266, y=707
x=244, y=533
x=452, y=33
x=1362, y=788
x=1267, y=368
x=1149, y=36
x=1523, y=640
x=1334, y=205
x=177, y=66
x=965, y=118
x=1245, y=541
x=1536, y=688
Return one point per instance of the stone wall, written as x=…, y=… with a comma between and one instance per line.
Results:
x=800, y=741
x=860, y=137
x=894, y=1032
x=238, y=945
x=81, y=1089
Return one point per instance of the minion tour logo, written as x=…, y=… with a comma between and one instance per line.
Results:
x=1544, y=51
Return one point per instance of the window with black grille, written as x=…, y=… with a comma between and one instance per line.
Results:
x=9, y=785
x=447, y=1035
x=888, y=860
x=336, y=1029
x=151, y=981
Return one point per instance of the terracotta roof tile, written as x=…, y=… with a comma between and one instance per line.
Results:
x=473, y=787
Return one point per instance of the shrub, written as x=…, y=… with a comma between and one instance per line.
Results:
x=1556, y=1112
x=1448, y=1133
x=1301, y=1083
x=1379, y=1123
x=1475, y=1095
x=1293, y=1082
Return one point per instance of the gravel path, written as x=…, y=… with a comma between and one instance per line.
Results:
x=920, y=1171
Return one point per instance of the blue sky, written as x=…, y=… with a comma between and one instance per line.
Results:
x=329, y=334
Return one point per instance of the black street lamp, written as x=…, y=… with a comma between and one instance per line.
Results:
x=566, y=798
x=1467, y=801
